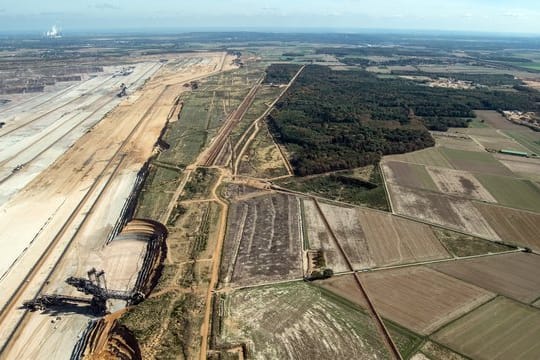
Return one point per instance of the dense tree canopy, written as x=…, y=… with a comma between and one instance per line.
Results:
x=332, y=120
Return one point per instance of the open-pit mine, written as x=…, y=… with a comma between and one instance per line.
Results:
x=73, y=157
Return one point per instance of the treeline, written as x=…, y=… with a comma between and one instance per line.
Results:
x=280, y=73
x=333, y=120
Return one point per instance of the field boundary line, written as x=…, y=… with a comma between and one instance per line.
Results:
x=436, y=261
x=387, y=338
x=386, y=190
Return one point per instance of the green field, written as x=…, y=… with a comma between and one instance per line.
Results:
x=475, y=161
x=529, y=139
x=299, y=321
x=500, y=329
x=516, y=193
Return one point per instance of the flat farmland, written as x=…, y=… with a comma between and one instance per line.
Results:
x=512, y=192
x=524, y=167
x=500, y=329
x=421, y=299
x=496, y=120
x=299, y=321
x=430, y=157
x=459, y=143
x=459, y=183
x=263, y=241
x=520, y=227
x=474, y=161
x=499, y=142
x=528, y=138
x=319, y=238
x=515, y=275
x=373, y=238
x=408, y=175
x=459, y=214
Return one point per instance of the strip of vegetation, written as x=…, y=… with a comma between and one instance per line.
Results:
x=343, y=186
x=461, y=245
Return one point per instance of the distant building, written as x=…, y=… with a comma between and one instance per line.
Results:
x=514, y=153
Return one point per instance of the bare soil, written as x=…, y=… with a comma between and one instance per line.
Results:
x=514, y=275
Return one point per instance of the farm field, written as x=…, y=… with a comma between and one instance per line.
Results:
x=496, y=120
x=408, y=175
x=454, y=142
x=498, y=141
x=430, y=157
x=263, y=241
x=526, y=168
x=515, y=226
x=512, y=192
x=372, y=238
x=461, y=245
x=459, y=183
x=455, y=213
x=500, y=329
x=473, y=161
x=515, y=275
x=528, y=138
x=290, y=321
x=421, y=299
x=318, y=238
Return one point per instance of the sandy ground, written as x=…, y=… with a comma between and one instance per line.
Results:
x=100, y=170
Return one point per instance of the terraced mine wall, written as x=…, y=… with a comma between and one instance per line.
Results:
x=107, y=339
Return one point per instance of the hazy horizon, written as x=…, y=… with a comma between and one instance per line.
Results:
x=478, y=16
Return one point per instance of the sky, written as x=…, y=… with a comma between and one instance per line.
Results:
x=500, y=16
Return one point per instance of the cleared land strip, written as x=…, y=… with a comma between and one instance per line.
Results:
x=371, y=308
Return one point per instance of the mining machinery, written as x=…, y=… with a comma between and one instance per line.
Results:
x=95, y=285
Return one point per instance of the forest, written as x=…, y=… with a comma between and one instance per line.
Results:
x=332, y=120
x=280, y=73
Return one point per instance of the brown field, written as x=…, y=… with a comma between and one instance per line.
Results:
x=417, y=298
x=525, y=167
x=318, y=237
x=375, y=238
x=514, y=275
x=515, y=226
x=408, y=175
x=496, y=120
x=263, y=241
x=500, y=329
x=460, y=183
x=460, y=214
